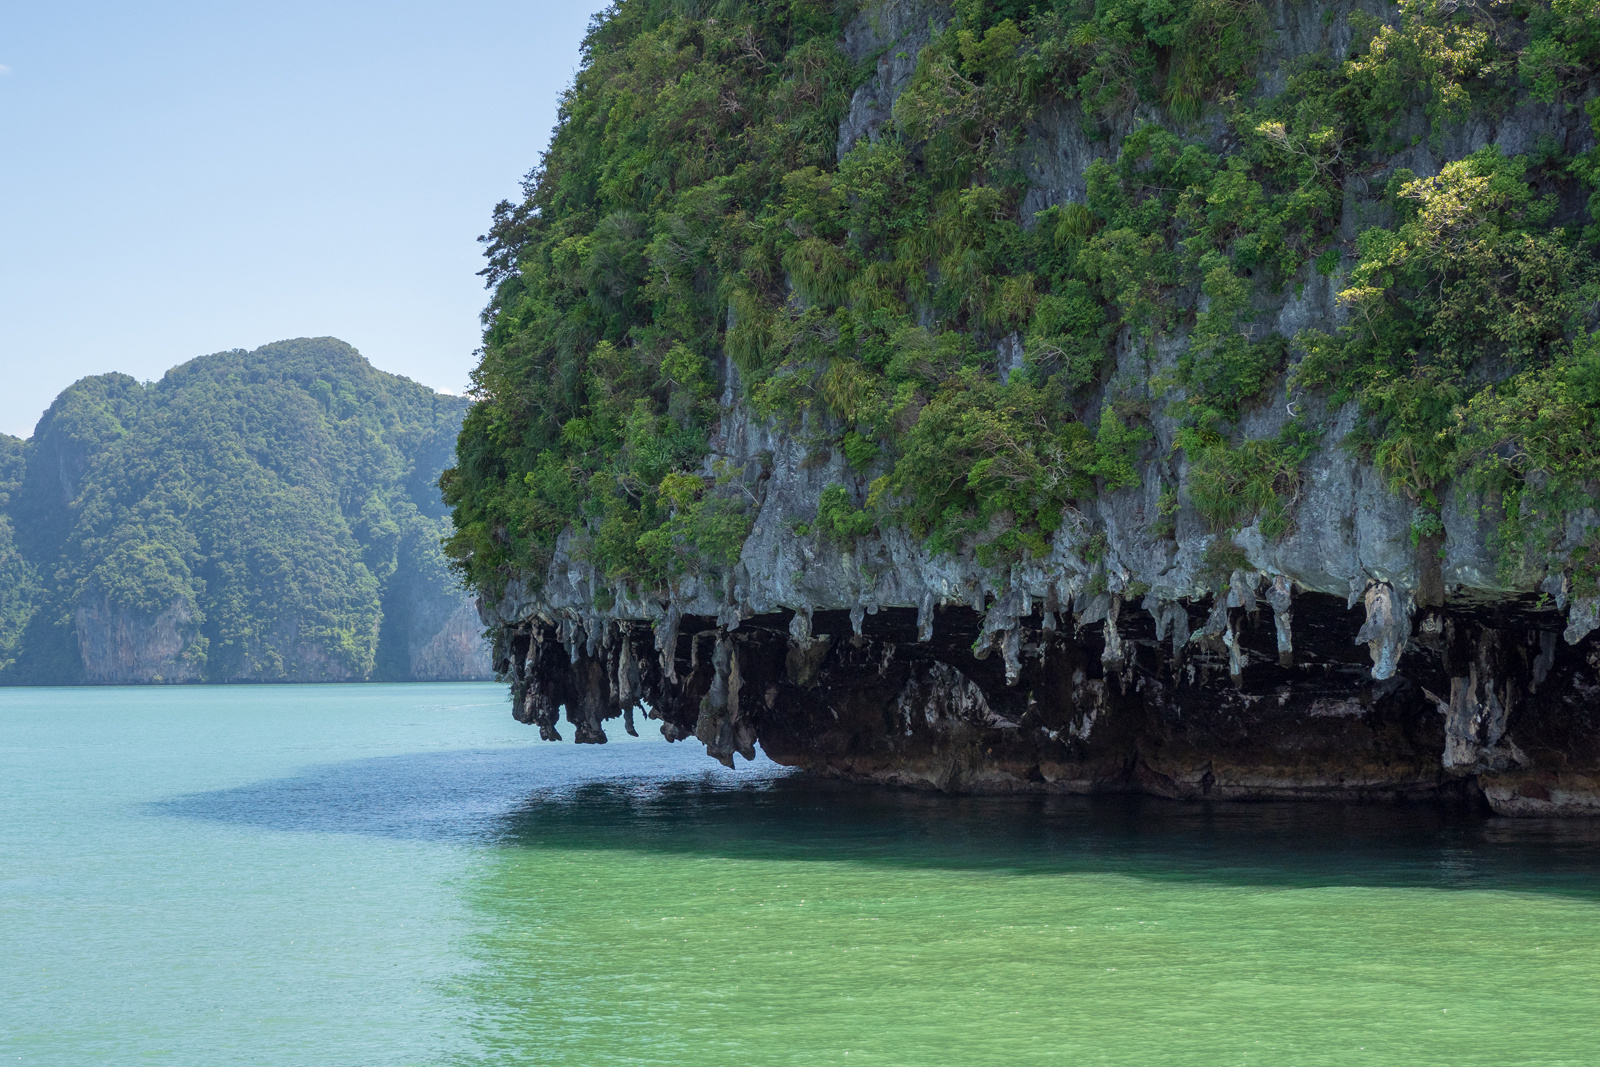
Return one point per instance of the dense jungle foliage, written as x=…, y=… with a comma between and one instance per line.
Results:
x=278, y=504
x=694, y=203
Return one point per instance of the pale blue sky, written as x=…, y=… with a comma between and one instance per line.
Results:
x=181, y=178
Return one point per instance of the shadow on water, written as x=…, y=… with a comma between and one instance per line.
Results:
x=661, y=799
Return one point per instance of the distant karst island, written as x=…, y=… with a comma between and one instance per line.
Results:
x=265, y=516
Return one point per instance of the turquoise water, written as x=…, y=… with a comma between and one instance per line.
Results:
x=401, y=875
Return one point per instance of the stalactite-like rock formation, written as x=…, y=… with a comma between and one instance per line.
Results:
x=1180, y=700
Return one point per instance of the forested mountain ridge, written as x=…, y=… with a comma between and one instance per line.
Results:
x=252, y=516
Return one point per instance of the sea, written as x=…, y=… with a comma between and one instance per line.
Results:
x=401, y=874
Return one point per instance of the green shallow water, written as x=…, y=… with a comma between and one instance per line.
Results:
x=401, y=875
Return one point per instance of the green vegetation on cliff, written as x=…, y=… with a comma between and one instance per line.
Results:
x=18, y=579
x=257, y=516
x=694, y=203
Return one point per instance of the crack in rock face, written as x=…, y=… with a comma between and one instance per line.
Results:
x=1479, y=702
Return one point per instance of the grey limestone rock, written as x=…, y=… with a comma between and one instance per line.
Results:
x=894, y=32
x=883, y=661
x=120, y=646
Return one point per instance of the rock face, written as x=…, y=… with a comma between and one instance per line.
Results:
x=449, y=645
x=1346, y=659
x=1320, y=669
x=124, y=647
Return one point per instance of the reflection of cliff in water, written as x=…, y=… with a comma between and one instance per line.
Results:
x=652, y=798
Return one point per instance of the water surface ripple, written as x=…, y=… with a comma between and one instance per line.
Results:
x=396, y=874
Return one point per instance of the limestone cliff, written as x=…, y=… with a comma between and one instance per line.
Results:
x=1359, y=637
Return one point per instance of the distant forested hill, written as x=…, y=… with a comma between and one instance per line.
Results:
x=252, y=516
